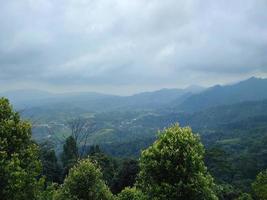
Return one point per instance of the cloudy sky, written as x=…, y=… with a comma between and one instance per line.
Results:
x=126, y=46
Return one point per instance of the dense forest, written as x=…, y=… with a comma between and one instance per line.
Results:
x=175, y=166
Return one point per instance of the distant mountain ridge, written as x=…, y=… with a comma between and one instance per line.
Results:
x=253, y=89
x=95, y=102
x=191, y=99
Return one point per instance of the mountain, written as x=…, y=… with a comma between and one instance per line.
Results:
x=252, y=89
x=25, y=99
x=44, y=103
x=153, y=100
x=20, y=98
x=188, y=100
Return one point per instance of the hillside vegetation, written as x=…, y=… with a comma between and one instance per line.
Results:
x=113, y=131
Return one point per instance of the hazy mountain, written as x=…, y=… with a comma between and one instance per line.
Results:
x=25, y=99
x=191, y=99
x=35, y=101
x=155, y=99
x=252, y=89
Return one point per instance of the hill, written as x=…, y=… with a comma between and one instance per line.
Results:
x=252, y=89
x=35, y=102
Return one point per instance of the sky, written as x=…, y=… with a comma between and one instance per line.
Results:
x=129, y=46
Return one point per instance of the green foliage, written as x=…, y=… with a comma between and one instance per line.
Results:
x=106, y=164
x=118, y=173
x=244, y=196
x=51, y=168
x=126, y=176
x=173, y=168
x=131, y=194
x=84, y=182
x=260, y=186
x=70, y=154
x=219, y=165
x=48, y=193
x=227, y=192
x=19, y=163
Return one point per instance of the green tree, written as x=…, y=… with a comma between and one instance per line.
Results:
x=84, y=182
x=48, y=193
x=131, y=194
x=69, y=155
x=244, y=196
x=218, y=164
x=19, y=163
x=260, y=186
x=126, y=176
x=107, y=164
x=227, y=192
x=173, y=168
x=51, y=168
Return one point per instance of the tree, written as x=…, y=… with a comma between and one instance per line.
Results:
x=84, y=182
x=260, y=186
x=227, y=192
x=218, y=164
x=173, y=168
x=106, y=164
x=131, y=194
x=244, y=196
x=126, y=175
x=51, y=168
x=81, y=129
x=19, y=163
x=70, y=154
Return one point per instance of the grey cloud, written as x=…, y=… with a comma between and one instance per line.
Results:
x=140, y=42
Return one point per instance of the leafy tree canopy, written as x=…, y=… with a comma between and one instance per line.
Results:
x=260, y=186
x=19, y=163
x=131, y=194
x=173, y=167
x=84, y=182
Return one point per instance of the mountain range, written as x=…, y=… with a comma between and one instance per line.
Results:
x=191, y=99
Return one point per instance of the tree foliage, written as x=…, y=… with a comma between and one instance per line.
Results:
x=19, y=163
x=70, y=154
x=51, y=168
x=173, y=168
x=244, y=196
x=260, y=186
x=106, y=164
x=227, y=192
x=84, y=182
x=131, y=194
x=126, y=176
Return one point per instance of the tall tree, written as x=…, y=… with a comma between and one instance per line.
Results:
x=70, y=154
x=51, y=168
x=19, y=163
x=107, y=164
x=126, y=175
x=81, y=129
x=173, y=168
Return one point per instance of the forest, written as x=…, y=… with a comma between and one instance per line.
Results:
x=175, y=165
